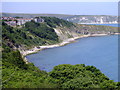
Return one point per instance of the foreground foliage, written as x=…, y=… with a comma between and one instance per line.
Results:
x=17, y=74
x=80, y=76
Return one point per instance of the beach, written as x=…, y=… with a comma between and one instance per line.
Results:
x=38, y=48
x=70, y=40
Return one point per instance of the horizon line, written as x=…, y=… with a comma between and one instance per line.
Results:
x=58, y=14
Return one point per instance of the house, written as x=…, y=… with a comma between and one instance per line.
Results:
x=8, y=18
x=11, y=23
x=38, y=20
x=22, y=21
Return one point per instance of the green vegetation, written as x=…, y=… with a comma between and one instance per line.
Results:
x=80, y=76
x=41, y=30
x=96, y=29
x=53, y=22
x=17, y=74
x=32, y=34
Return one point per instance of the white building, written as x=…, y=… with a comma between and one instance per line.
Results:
x=38, y=20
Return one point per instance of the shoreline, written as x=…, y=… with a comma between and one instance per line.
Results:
x=70, y=40
x=97, y=23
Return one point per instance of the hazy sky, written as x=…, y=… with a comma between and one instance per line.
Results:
x=74, y=8
x=60, y=0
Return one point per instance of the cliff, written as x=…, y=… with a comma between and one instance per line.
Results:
x=93, y=19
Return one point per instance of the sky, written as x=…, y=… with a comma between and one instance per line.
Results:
x=60, y=0
x=72, y=8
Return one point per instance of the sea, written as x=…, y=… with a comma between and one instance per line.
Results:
x=101, y=52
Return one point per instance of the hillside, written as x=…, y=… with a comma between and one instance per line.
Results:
x=33, y=34
x=52, y=31
x=17, y=74
x=99, y=19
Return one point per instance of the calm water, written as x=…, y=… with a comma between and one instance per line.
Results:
x=101, y=52
x=114, y=25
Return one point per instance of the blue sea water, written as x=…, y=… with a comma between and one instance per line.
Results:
x=113, y=25
x=101, y=52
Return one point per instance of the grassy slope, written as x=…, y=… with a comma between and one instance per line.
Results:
x=97, y=28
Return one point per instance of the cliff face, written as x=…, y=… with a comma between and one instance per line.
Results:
x=65, y=33
x=101, y=19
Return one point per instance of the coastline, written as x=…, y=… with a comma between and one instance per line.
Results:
x=70, y=40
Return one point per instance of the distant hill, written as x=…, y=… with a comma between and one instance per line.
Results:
x=34, y=15
x=82, y=19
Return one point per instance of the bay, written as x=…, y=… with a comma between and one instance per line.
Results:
x=101, y=52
